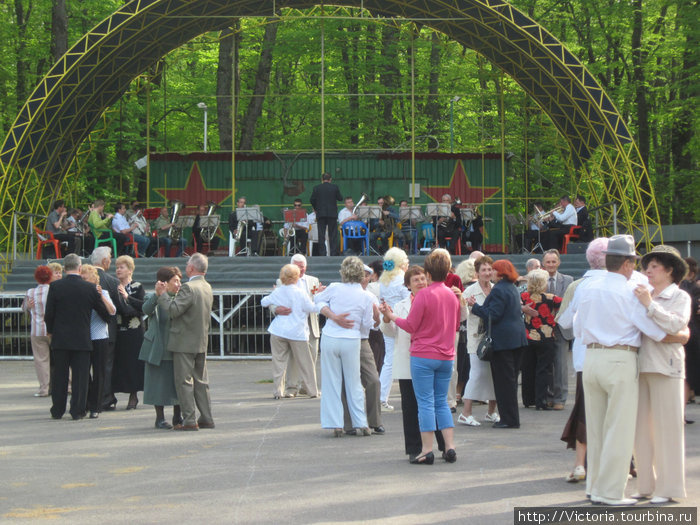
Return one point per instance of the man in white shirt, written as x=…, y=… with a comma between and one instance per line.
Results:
x=610, y=321
x=346, y=215
x=120, y=227
x=560, y=224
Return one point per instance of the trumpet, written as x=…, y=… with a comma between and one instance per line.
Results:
x=363, y=198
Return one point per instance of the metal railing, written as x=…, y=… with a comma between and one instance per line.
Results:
x=238, y=326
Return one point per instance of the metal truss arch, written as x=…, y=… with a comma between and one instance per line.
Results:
x=98, y=70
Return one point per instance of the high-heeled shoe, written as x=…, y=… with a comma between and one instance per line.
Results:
x=132, y=403
x=425, y=459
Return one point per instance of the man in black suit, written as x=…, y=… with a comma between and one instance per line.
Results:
x=586, y=232
x=324, y=199
x=101, y=258
x=69, y=305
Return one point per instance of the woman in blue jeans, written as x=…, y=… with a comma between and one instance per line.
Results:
x=432, y=322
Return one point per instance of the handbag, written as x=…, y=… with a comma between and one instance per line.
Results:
x=485, y=349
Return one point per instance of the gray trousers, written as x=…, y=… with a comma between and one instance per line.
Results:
x=560, y=381
x=370, y=382
x=192, y=386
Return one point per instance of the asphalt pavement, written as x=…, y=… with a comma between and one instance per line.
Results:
x=269, y=461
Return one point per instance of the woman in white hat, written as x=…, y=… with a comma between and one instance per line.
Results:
x=659, y=438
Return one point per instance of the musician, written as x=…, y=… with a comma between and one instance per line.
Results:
x=56, y=224
x=249, y=233
x=346, y=215
x=583, y=220
x=408, y=231
x=535, y=228
x=199, y=241
x=142, y=229
x=560, y=223
x=474, y=233
x=301, y=229
x=162, y=225
x=121, y=229
x=383, y=228
x=98, y=220
x=449, y=226
x=133, y=206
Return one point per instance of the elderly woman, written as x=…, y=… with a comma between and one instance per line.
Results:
x=159, y=379
x=502, y=306
x=290, y=333
x=415, y=281
x=480, y=384
x=432, y=323
x=391, y=291
x=659, y=442
x=99, y=334
x=35, y=303
x=340, y=347
x=127, y=374
x=541, y=348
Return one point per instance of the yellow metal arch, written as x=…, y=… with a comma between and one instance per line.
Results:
x=96, y=72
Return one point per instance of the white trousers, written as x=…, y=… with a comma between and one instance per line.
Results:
x=386, y=375
x=611, y=392
x=340, y=359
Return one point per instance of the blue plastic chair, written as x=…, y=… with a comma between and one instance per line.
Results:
x=428, y=233
x=356, y=230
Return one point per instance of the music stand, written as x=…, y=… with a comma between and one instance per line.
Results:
x=248, y=214
x=365, y=213
x=438, y=209
x=209, y=221
x=410, y=213
x=184, y=221
x=293, y=217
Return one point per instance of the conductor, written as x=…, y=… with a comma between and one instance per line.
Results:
x=324, y=199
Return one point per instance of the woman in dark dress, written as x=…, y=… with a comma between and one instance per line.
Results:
x=509, y=339
x=127, y=374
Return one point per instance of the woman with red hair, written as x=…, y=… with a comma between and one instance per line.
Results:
x=509, y=338
x=35, y=303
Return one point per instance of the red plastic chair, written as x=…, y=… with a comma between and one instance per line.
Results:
x=131, y=242
x=44, y=238
x=573, y=235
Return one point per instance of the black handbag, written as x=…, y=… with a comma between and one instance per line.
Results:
x=485, y=349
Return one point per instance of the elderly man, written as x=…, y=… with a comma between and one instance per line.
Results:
x=610, y=321
x=69, y=306
x=190, y=316
x=558, y=283
x=310, y=285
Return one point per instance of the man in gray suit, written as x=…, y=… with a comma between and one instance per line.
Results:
x=558, y=283
x=190, y=316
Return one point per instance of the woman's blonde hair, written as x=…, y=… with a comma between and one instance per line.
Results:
x=352, y=270
x=289, y=274
x=55, y=267
x=466, y=271
x=89, y=271
x=127, y=261
x=537, y=281
x=397, y=260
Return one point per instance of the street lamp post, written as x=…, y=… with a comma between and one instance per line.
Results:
x=204, y=108
x=452, y=122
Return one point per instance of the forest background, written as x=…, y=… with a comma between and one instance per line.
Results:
x=644, y=53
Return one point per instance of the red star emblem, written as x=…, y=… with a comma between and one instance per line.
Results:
x=195, y=191
x=459, y=187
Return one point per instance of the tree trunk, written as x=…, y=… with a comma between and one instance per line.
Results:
x=348, y=51
x=638, y=56
x=388, y=77
x=262, y=81
x=224, y=79
x=21, y=18
x=59, y=29
x=432, y=106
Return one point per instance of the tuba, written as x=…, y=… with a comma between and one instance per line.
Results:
x=208, y=232
x=175, y=232
x=239, y=230
x=363, y=198
x=389, y=222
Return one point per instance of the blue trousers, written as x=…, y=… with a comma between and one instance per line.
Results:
x=431, y=381
x=340, y=360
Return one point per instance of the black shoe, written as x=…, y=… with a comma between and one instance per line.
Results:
x=427, y=459
x=450, y=456
x=110, y=406
x=544, y=407
x=162, y=424
x=178, y=421
x=378, y=430
x=453, y=410
x=351, y=432
x=94, y=415
x=78, y=417
x=500, y=424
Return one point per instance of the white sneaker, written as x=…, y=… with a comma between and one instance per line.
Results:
x=493, y=418
x=578, y=474
x=624, y=502
x=386, y=407
x=659, y=500
x=469, y=421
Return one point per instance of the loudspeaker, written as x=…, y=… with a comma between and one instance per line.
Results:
x=576, y=247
